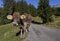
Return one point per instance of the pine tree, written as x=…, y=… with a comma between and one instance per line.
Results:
x=44, y=11
x=8, y=6
x=32, y=10
x=22, y=6
x=1, y=20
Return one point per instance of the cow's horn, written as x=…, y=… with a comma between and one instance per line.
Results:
x=9, y=17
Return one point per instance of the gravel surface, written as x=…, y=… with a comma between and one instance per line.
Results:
x=41, y=33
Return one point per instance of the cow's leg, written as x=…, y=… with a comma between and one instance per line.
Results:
x=25, y=25
x=21, y=30
x=28, y=25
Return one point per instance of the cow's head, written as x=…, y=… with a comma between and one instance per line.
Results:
x=16, y=18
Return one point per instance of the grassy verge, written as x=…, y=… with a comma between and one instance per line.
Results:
x=37, y=19
x=55, y=24
x=8, y=33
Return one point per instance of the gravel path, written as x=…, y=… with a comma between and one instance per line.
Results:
x=41, y=33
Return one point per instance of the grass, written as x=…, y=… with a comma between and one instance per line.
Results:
x=55, y=24
x=37, y=19
x=8, y=33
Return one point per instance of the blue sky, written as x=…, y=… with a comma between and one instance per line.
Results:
x=35, y=2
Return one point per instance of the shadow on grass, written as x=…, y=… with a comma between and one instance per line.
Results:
x=18, y=33
x=36, y=22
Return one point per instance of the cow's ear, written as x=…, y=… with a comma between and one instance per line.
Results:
x=22, y=16
x=10, y=17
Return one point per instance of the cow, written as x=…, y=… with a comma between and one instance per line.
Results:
x=21, y=19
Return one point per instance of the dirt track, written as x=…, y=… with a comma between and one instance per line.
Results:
x=41, y=33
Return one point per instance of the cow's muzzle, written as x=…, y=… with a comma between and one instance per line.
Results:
x=15, y=23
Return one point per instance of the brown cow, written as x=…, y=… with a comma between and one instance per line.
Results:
x=21, y=19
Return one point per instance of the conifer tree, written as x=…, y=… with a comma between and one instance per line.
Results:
x=44, y=11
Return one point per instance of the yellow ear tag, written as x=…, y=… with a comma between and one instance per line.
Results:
x=22, y=16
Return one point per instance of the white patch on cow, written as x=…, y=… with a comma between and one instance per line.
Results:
x=15, y=23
